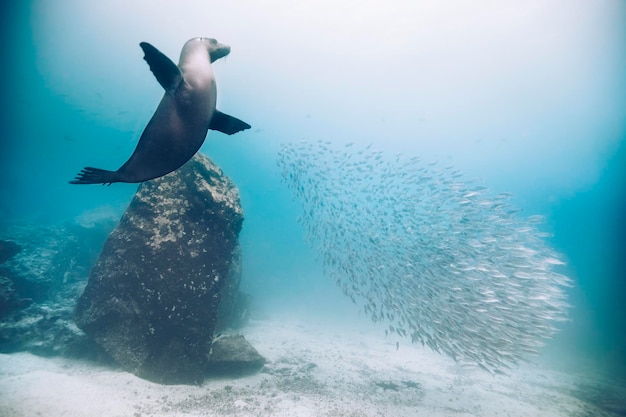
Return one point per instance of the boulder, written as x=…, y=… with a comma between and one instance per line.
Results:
x=234, y=356
x=152, y=299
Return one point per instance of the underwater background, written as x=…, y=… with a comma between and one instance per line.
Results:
x=530, y=97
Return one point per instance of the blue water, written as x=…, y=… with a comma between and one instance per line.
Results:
x=529, y=97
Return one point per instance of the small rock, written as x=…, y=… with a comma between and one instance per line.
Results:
x=235, y=356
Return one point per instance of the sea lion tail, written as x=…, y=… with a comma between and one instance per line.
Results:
x=89, y=175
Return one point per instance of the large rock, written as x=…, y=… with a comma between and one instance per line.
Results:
x=152, y=298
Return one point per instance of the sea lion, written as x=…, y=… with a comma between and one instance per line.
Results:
x=179, y=125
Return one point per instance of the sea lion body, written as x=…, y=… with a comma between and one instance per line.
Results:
x=180, y=123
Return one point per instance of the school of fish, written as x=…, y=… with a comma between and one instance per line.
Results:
x=433, y=255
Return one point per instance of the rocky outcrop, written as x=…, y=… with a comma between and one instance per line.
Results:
x=153, y=298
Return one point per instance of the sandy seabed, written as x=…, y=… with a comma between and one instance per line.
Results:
x=312, y=370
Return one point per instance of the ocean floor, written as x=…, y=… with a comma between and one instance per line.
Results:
x=312, y=370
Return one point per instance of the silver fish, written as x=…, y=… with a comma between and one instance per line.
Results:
x=436, y=256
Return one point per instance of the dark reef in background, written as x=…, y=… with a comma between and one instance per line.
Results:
x=43, y=269
x=153, y=298
x=9, y=298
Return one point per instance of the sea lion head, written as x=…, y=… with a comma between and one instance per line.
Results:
x=215, y=49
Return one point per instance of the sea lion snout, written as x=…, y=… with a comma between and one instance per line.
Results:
x=217, y=50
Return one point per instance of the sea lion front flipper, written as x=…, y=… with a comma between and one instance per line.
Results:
x=227, y=124
x=166, y=72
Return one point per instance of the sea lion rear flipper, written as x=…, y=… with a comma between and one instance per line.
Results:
x=227, y=124
x=90, y=175
x=166, y=72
